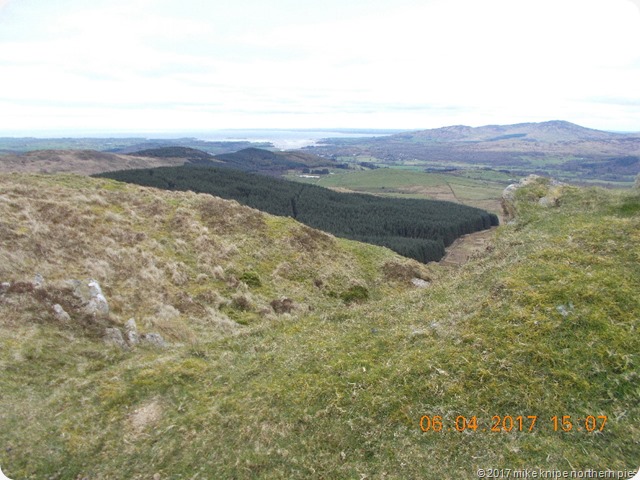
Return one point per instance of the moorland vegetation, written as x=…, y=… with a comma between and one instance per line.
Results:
x=294, y=354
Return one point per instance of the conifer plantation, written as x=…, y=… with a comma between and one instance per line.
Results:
x=419, y=229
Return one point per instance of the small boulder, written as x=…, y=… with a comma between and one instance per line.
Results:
x=60, y=313
x=420, y=283
x=131, y=332
x=113, y=336
x=154, y=339
x=38, y=281
x=97, y=304
x=91, y=296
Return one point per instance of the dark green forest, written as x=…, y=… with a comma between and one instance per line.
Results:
x=255, y=160
x=419, y=229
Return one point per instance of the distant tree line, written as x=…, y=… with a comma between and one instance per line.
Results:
x=419, y=229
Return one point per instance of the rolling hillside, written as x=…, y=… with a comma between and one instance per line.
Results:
x=89, y=162
x=292, y=354
x=86, y=162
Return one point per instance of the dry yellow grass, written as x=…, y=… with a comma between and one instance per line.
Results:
x=174, y=261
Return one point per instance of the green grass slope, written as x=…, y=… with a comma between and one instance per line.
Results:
x=544, y=324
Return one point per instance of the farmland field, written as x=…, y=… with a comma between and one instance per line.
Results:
x=480, y=192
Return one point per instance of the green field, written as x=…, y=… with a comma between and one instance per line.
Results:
x=477, y=188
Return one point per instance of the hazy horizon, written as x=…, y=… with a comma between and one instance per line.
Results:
x=235, y=134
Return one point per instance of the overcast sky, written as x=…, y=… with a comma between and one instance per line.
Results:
x=160, y=65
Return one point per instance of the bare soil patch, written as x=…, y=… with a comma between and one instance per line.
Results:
x=466, y=247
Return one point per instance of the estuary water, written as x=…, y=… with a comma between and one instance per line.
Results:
x=287, y=139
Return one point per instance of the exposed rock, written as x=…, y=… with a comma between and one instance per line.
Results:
x=4, y=286
x=131, y=332
x=90, y=294
x=154, y=339
x=420, y=283
x=113, y=336
x=60, y=314
x=552, y=190
x=97, y=303
x=38, y=281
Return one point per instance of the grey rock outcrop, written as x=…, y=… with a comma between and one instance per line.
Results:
x=90, y=294
x=131, y=338
x=552, y=189
x=97, y=304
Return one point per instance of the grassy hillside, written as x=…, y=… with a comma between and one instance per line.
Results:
x=544, y=324
x=85, y=162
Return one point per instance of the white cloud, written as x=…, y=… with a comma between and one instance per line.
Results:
x=386, y=63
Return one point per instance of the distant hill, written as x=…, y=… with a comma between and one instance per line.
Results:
x=191, y=155
x=557, y=148
x=249, y=159
x=546, y=132
x=86, y=162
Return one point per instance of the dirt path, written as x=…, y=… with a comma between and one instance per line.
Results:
x=463, y=248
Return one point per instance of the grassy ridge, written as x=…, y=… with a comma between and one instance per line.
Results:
x=545, y=324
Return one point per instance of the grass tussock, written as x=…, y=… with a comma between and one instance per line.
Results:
x=545, y=324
